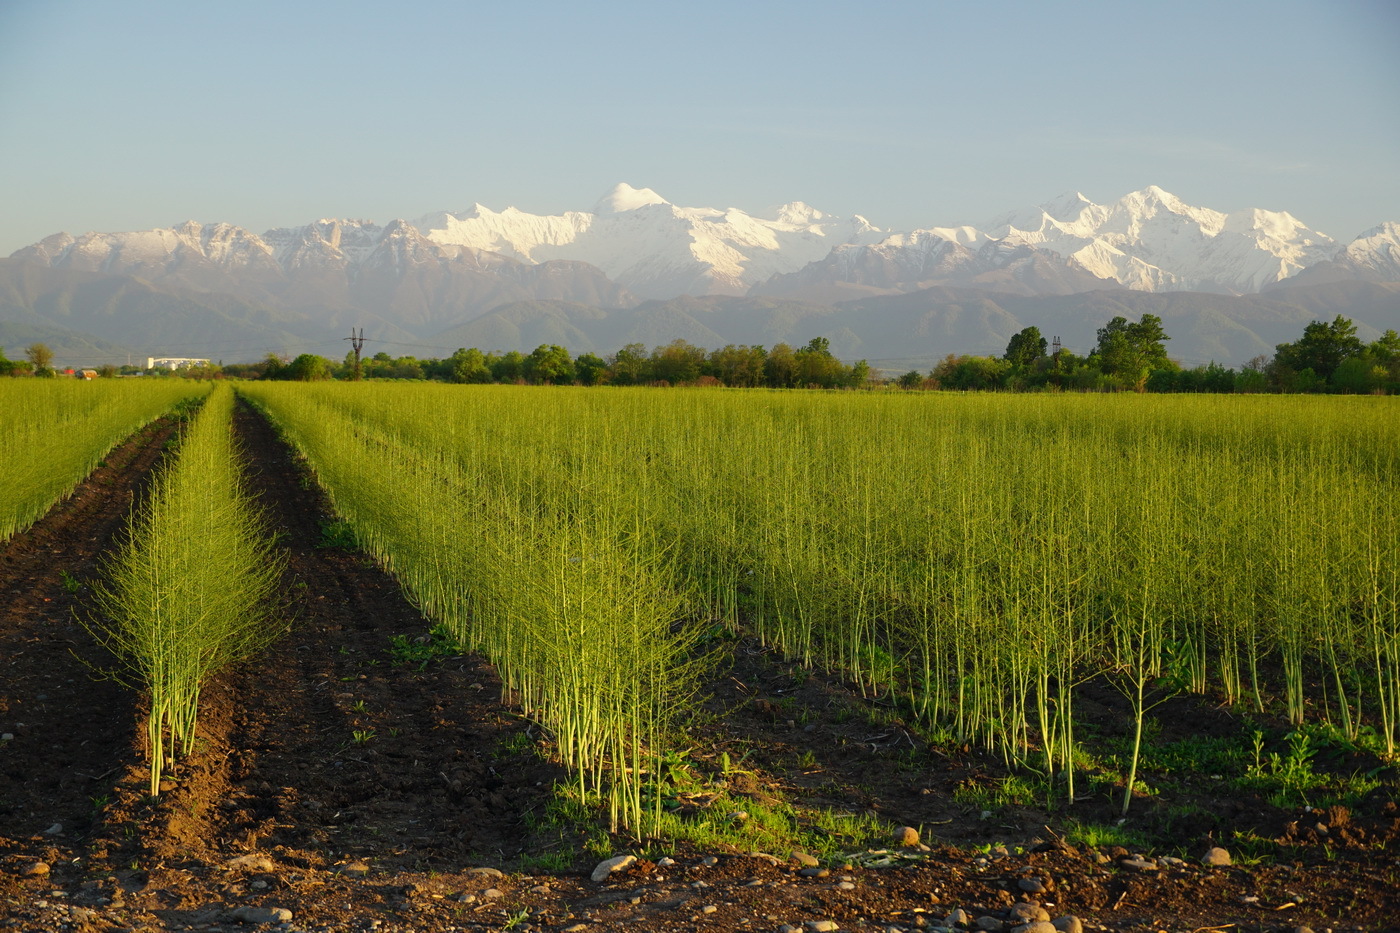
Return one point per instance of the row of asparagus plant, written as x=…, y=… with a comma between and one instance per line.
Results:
x=976, y=557
x=190, y=591
x=534, y=557
x=58, y=430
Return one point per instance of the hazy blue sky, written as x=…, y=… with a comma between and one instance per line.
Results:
x=125, y=116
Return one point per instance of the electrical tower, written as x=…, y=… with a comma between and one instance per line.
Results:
x=358, y=341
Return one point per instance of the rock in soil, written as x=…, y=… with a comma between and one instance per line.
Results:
x=608, y=866
x=1216, y=857
x=251, y=863
x=261, y=915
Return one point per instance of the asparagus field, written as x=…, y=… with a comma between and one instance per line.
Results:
x=56, y=431
x=974, y=559
x=1070, y=643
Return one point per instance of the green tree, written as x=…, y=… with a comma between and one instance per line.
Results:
x=1359, y=375
x=1025, y=348
x=549, y=364
x=509, y=368
x=631, y=366
x=677, y=363
x=1131, y=351
x=406, y=367
x=780, y=368
x=468, y=366
x=1322, y=348
x=738, y=366
x=40, y=356
x=817, y=367
x=308, y=368
x=1386, y=352
x=590, y=369
x=970, y=373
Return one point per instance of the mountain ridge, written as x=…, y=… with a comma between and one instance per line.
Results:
x=412, y=280
x=1148, y=240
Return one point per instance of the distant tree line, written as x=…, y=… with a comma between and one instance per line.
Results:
x=38, y=361
x=676, y=363
x=1129, y=356
x=1133, y=356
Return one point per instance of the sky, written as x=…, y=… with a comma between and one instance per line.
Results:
x=917, y=113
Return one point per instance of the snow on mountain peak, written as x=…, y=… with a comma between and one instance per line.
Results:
x=1069, y=206
x=798, y=213
x=1376, y=248
x=1148, y=239
x=623, y=197
x=1387, y=232
x=1151, y=239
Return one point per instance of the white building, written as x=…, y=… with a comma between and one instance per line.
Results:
x=173, y=362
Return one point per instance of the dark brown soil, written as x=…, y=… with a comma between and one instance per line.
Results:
x=373, y=786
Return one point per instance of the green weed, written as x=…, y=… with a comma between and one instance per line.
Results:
x=339, y=535
x=420, y=650
x=70, y=583
x=547, y=862
x=515, y=744
x=1104, y=835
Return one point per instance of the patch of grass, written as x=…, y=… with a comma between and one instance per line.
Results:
x=518, y=743
x=1332, y=743
x=1198, y=755
x=70, y=583
x=599, y=844
x=420, y=650
x=1290, y=779
x=1017, y=790
x=338, y=535
x=1104, y=835
x=566, y=810
x=705, y=813
x=746, y=825
x=547, y=862
x=831, y=831
x=1249, y=848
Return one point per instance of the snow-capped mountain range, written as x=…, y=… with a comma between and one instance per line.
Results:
x=1148, y=240
x=1230, y=286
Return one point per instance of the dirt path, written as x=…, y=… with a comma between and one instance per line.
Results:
x=363, y=783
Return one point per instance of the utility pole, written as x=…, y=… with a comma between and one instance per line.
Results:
x=358, y=341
